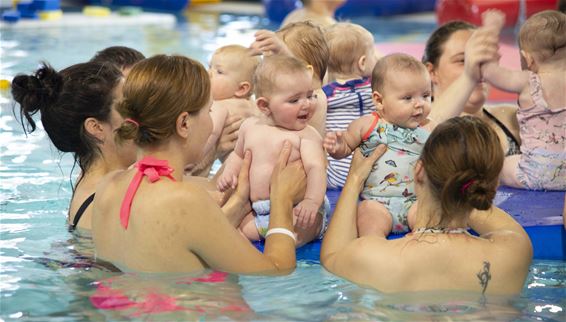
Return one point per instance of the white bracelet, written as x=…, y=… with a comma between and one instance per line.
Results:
x=283, y=231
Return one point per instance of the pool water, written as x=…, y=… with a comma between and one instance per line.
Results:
x=48, y=273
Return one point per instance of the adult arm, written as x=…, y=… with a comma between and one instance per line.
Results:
x=481, y=47
x=342, y=231
x=223, y=248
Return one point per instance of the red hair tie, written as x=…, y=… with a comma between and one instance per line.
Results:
x=466, y=185
x=132, y=121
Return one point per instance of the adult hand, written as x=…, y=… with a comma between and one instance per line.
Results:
x=268, y=43
x=228, y=137
x=361, y=166
x=481, y=47
x=288, y=180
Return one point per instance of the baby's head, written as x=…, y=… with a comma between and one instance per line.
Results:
x=283, y=89
x=401, y=90
x=542, y=38
x=306, y=41
x=231, y=71
x=352, y=50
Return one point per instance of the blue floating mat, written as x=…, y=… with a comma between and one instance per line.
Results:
x=540, y=213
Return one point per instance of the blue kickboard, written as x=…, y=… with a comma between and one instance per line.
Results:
x=540, y=213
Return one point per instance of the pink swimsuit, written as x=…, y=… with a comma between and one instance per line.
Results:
x=543, y=135
x=151, y=167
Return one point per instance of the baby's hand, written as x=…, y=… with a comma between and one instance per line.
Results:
x=226, y=181
x=267, y=43
x=306, y=212
x=493, y=18
x=333, y=142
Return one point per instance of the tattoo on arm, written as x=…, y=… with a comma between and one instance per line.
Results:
x=484, y=276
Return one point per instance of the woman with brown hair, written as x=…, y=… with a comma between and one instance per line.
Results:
x=444, y=57
x=148, y=218
x=456, y=179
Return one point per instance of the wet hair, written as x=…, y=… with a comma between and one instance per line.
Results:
x=393, y=62
x=347, y=42
x=122, y=57
x=462, y=159
x=65, y=100
x=156, y=91
x=271, y=68
x=306, y=41
x=245, y=64
x=544, y=34
x=435, y=44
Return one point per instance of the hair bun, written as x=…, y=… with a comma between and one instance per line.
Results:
x=35, y=92
x=479, y=194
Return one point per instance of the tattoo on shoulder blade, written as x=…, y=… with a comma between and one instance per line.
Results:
x=484, y=276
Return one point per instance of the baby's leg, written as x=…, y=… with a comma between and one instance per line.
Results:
x=508, y=176
x=305, y=235
x=248, y=227
x=373, y=218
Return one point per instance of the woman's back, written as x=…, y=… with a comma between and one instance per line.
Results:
x=158, y=235
x=446, y=261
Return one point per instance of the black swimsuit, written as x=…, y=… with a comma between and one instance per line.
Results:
x=514, y=147
x=80, y=212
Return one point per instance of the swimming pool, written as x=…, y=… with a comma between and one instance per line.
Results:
x=47, y=273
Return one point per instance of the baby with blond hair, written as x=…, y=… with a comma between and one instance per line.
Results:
x=284, y=95
x=542, y=100
x=351, y=61
x=231, y=71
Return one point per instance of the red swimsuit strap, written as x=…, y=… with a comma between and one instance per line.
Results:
x=151, y=167
x=373, y=123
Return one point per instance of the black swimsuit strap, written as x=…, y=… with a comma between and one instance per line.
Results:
x=81, y=211
x=502, y=126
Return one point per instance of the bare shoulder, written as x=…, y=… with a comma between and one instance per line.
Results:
x=502, y=110
x=310, y=133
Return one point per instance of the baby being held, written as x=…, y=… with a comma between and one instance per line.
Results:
x=284, y=95
x=231, y=71
x=542, y=100
x=402, y=96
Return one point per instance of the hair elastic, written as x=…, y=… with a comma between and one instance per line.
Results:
x=283, y=231
x=132, y=121
x=466, y=185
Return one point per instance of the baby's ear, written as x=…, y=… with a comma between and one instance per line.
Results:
x=377, y=99
x=243, y=90
x=362, y=63
x=263, y=105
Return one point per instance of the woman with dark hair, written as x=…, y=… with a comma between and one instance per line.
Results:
x=77, y=112
x=456, y=179
x=444, y=58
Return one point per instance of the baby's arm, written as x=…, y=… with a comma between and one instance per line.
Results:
x=505, y=79
x=314, y=162
x=229, y=177
x=218, y=114
x=340, y=144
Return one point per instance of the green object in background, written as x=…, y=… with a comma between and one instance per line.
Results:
x=130, y=11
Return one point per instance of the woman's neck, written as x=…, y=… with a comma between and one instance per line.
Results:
x=170, y=151
x=429, y=215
